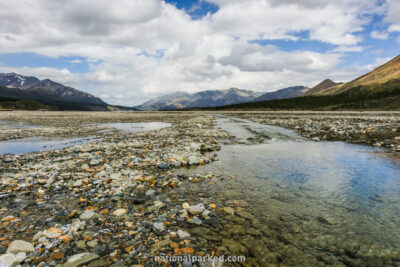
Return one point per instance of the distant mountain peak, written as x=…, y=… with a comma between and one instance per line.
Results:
x=289, y=92
x=322, y=86
x=205, y=98
x=48, y=87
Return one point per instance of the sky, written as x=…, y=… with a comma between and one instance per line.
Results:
x=128, y=51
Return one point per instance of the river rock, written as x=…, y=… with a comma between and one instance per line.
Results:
x=20, y=246
x=161, y=244
x=80, y=259
x=183, y=234
x=88, y=215
x=10, y=259
x=77, y=183
x=158, y=228
x=195, y=209
x=119, y=212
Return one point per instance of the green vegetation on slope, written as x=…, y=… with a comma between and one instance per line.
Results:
x=9, y=103
x=374, y=97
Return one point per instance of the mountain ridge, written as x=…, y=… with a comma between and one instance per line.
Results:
x=288, y=92
x=322, y=86
x=179, y=100
x=47, y=86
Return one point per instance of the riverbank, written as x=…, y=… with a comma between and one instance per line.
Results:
x=112, y=201
x=131, y=196
x=380, y=129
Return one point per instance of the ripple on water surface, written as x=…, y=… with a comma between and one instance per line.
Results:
x=32, y=144
x=313, y=203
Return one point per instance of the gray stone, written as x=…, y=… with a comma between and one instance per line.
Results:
x=195, y=209
x=88, y=215
x=195, y=220
x=159, y=245
x=159, y=228
x=10, y=259
x=183, y=234
x=77, y=183
x=20, y=246
x=80, y=259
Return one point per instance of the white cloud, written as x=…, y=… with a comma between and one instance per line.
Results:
x=75, y=61
x=142, y=48
x=379, y=35
x=392, y=14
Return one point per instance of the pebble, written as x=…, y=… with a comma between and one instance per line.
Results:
x=195, y=220
x=88, y=215
x=11, y=259
x=80, y=259
x=183, y=234
x=158, y=228
x=20, y=246
x=77, y=183
x=195, y=209
x=119, y=212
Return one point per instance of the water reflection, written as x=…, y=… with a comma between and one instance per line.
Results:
x=138, y=127
x=32, y=144
x=335, y=194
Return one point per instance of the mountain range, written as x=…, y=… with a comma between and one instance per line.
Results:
x=215, y=98
x=15, y=87
x=201, y=99
x=378, y=89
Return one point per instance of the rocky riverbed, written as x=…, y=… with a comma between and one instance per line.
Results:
x=114, y=201
x=131, y=196
x=380, y=129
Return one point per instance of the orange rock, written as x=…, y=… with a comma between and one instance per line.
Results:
x=167, y=223
x=104, y=211
x=213, y=206
x=128, y=249
x=56, y=256
x=64, y=238
x=174, y=245
x=91, y=208
x=82, y=200
x=184, y=251
x=85, y=181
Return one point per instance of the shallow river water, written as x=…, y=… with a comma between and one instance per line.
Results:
x=303, y=203
x=32, y=144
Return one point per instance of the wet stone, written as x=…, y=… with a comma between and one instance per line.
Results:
x=80, y=259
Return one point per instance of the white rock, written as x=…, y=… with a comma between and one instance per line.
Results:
x=87, y=215
x=9, y=259
x=183, y=234
x=80, y=259
x=195, y=209
x=119, y=212
x=77, y=183
x=20, y=246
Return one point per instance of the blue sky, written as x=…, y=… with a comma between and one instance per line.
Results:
x=127, y=51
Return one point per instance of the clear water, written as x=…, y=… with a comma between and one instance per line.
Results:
x=5, y=124
x=33, y=144
x=138, y=127
x=314, y=203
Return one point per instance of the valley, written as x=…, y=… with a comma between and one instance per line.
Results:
x=201, y=183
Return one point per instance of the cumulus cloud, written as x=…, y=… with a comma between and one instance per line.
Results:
x=143, y=48
x=379, y=35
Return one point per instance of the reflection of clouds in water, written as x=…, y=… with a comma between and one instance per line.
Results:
x=346, y=183
x=4, y=124
x=31, y=144
x=137, y=127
